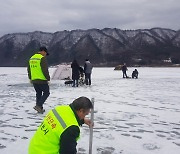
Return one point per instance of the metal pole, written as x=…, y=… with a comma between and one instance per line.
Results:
x=91, y=128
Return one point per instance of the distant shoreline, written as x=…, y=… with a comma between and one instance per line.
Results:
x=173, y=65
x=118, y=66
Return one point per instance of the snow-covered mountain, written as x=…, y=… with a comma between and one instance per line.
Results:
x=106, y=46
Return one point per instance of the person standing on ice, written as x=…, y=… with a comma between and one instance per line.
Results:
x=60, y=129
x=75, y=73
x=124, y=69
x=88, y=70
x=39, y=76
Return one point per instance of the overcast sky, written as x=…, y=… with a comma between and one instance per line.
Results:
x=58, y=15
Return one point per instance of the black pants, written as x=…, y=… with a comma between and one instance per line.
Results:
x=75, y=83
x=124, y=74
x=88, y=78
x=42, y=93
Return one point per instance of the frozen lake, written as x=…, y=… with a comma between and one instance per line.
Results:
x=133, y=116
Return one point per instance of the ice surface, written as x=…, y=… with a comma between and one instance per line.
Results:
x=132, y=116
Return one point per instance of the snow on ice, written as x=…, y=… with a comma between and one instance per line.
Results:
x=132, y=116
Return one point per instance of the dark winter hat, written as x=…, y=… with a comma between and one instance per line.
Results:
x=44, y=49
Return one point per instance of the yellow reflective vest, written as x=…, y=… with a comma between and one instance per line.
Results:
x=46, y=139
x=35, y=67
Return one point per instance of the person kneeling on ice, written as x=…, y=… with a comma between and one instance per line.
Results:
x=60, y=129
x=135, y=74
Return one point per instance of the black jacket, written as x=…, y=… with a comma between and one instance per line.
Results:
x=124, y=68
x=75, y=70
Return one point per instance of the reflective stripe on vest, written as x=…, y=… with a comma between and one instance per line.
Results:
x=46, y=140
x=35, y=67
x=61, y=121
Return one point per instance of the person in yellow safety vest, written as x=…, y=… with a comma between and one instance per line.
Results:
x=60, y=129
x=39, y=76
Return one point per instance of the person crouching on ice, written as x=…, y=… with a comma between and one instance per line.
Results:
x=135, y=74
x=60, y=129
